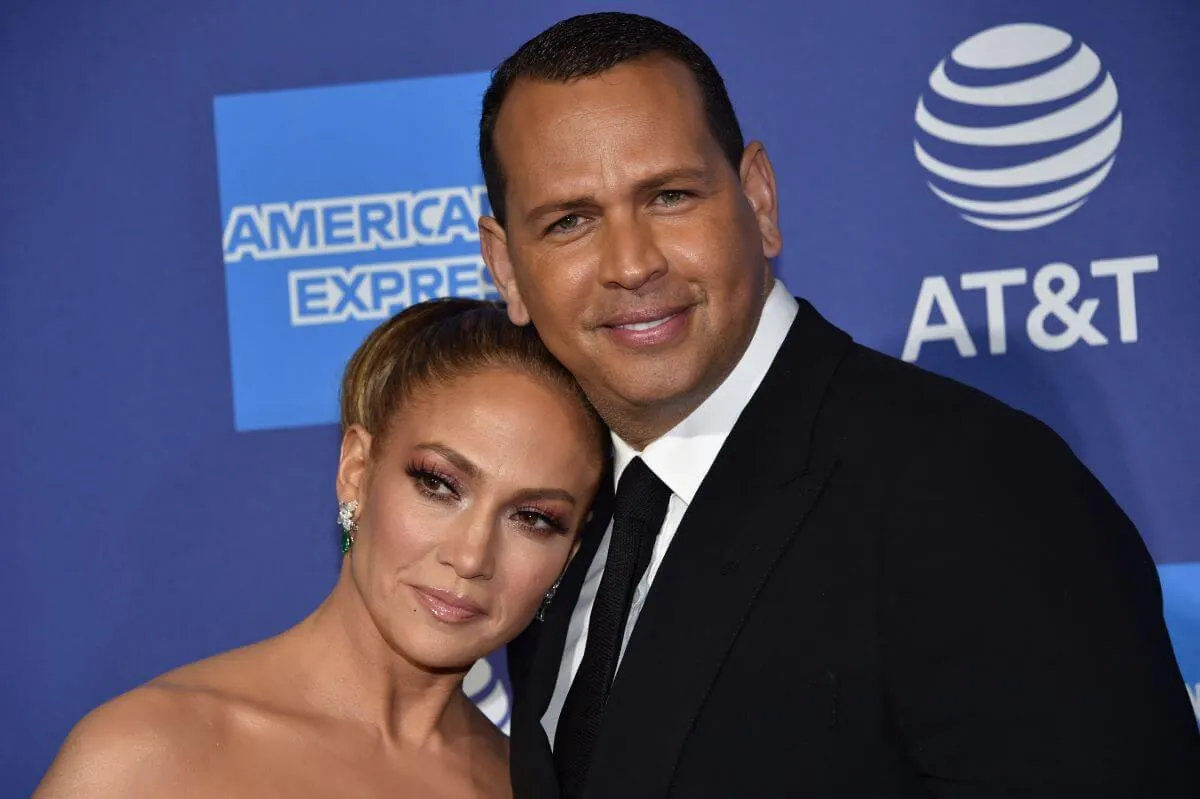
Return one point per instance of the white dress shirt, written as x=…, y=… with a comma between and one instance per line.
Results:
x=680, y=458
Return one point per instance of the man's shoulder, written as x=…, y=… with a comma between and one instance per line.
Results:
x=888, y=382
x=875, y=397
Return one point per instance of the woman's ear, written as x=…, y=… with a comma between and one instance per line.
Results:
x=354, y=464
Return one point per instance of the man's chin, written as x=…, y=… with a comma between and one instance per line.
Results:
x=653, y=390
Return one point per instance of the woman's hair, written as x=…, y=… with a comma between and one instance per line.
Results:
x=435, y=342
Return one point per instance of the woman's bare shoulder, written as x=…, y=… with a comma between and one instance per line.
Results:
x=154, y=736
x=138, y=742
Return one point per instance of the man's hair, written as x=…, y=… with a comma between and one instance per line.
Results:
x=435, y=342
x=587, y=45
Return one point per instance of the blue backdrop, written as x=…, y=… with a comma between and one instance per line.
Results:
x=205, y=206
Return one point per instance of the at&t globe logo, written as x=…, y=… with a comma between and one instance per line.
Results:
x=488, y=692
x=1019, y=126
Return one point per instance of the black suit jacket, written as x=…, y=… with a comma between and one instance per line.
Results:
x=888, y=585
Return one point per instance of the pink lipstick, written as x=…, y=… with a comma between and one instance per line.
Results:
x=448, y=606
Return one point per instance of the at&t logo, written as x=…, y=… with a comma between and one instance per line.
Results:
x=488, y=692
x=1059, y=319
x=1020, y=125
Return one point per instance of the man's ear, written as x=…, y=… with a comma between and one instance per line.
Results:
x=758, y=184
x=493, y=243
x=354, y=464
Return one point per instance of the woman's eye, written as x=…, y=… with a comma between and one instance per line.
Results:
x=432, y=484
x=539, y=521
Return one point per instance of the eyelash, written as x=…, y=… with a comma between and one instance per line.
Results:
x=551, y=521
x=422, y=474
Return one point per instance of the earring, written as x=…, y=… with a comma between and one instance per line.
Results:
x=542, y=608
x=346, y=520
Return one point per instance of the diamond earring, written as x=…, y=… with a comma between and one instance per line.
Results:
x=542, y=608
x=346, y=520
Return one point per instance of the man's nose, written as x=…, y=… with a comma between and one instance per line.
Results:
x=632, y=257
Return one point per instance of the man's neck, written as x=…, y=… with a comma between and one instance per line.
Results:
x=639, y=426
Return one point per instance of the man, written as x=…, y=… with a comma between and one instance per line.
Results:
x=825, y=572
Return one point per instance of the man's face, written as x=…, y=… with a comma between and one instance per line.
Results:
x=631, y=243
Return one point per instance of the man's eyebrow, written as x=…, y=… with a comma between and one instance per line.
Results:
x=687, y=174
x=566, y=206
x=584, y=202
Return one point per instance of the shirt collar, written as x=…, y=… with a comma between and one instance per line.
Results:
x=684, y=454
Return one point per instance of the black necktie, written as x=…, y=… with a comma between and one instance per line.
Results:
x=638, y=512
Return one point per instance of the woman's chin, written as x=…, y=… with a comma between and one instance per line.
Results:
x=443, y=656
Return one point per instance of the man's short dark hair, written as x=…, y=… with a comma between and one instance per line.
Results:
x=587, y=45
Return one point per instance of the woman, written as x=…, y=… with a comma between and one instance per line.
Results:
x=469, y=458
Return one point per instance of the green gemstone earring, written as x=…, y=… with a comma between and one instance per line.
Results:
x=349, y=525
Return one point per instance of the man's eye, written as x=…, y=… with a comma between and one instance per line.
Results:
x=671, y=198
x=564, y=225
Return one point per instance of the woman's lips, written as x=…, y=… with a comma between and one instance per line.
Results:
x=448, y=606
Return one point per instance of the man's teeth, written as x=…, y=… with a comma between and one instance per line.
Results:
x=645, y=325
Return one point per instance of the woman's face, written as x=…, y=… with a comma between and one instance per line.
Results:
x=469, y=511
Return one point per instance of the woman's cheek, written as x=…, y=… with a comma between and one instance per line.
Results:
x=406, y=529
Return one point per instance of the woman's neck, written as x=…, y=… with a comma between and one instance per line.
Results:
x=356, y=675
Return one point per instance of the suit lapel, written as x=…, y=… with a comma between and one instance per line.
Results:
x=753, y=501
x=533, y=771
